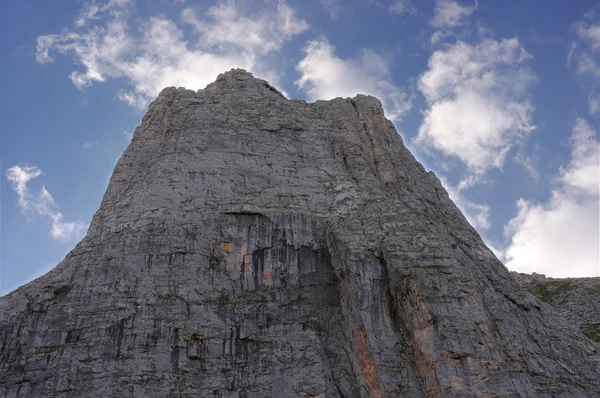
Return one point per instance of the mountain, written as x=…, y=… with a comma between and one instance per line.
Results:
x=254, y=246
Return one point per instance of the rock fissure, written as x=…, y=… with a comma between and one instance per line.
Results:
x=368, y=133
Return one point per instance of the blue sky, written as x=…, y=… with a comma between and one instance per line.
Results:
x=500, y=98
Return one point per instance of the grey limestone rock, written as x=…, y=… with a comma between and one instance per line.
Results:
x=254, y=246
x=576, y=299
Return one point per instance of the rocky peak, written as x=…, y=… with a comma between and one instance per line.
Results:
x=235, y=81
x=239, y=79
x=254, y=246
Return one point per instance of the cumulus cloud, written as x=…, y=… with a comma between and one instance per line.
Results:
x=42, y=204
x=153, y=53
x=450, y=14
x=560, y=237
x=323, y=75
x=477, y=102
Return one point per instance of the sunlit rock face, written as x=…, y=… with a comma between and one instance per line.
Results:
x=254, y=246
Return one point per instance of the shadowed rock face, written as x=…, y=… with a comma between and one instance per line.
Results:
x=254, y=246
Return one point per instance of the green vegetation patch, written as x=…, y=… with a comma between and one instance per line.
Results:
x=546, y=291
x=195, y=338
x=370, y=202
x=225, y=298
x=102, y=310
x=167, y=297
x=591, y=331
x=594, y=290
x=50, y=348
x=429, y=267
x=297, y=301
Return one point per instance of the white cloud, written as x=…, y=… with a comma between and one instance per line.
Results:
x=450, y=14
x=560, y=237
x=93, y=10
x=438, y=36
x=400, y=7
x=260, y=34
x=89, y=144
x=324, y=76
x=585, y=63
x=477, y=97
x=19, y=177
x=43, y=204
x=152, y=54
x=583, y=171
x=128, y=135
x=590, y=33
x=594, y=103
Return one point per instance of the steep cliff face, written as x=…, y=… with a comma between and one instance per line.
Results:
x=254, y=246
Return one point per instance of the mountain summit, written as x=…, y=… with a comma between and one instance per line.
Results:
x=254, y=246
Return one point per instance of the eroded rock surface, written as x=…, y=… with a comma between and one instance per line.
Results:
x=576, y=299
x=254, y=246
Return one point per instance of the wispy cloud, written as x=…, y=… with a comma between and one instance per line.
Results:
x=93, y=10
x=332, y=7
x=589, y=33
x=400, y=7
x=152, y=54
x=478, y=102
x=323, y=75
x=89, y=144
x=528, y=162
x=42, y=204
x=228, y=26
x=560, y=237
x=584, y=53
